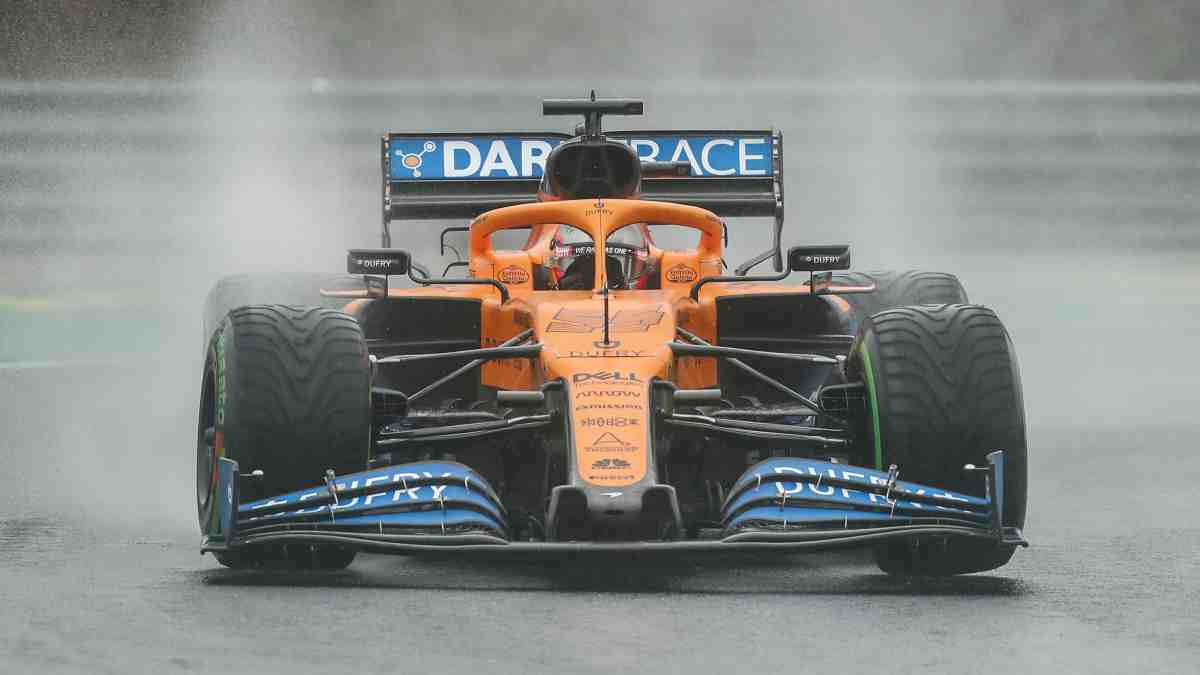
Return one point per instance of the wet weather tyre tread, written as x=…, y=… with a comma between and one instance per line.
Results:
x=898, y=289
x=948, y=392
x=297, y=402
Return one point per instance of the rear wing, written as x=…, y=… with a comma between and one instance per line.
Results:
x=430, y=176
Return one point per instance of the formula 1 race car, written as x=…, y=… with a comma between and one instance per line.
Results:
x=598, y=383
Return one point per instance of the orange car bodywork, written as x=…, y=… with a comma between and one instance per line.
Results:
x=607, y=384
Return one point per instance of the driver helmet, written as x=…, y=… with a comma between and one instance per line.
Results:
x=573, y=258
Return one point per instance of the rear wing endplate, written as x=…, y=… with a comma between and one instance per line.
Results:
x=432, y=176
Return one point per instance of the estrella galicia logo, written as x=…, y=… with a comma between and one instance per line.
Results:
x=610, y=463
x=412, y=160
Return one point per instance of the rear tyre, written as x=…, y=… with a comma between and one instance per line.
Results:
x=944, y=390
x=287, y=391
x=899, y=289
x=240, y=290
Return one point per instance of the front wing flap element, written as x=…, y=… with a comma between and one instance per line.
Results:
x=781, y=504
x=423, y=498
x=805, y=493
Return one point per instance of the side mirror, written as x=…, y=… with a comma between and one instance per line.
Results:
x=380, y=261
x=818, y=258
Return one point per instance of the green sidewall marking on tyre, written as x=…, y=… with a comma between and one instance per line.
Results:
x=866, y=357
x=219, y=385
x=220, y=380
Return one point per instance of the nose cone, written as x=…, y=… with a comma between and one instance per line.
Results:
x=612, y=490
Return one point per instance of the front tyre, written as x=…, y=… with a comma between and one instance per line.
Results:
x=286, y=391
x=943, y=390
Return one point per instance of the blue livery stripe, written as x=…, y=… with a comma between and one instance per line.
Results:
x=404, y=477
x=780, y=494
x=830, y=518
x=790, y=470
x=423, y=519
x=426, y=497
x=523, y=156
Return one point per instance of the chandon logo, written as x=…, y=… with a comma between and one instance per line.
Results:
x=681, y=274
x=513, y=275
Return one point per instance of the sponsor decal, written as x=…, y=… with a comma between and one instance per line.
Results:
x=607, y=354
x=570, y=250
x=411, y=161
x=612, y=422
x=513, y=275
x=373, y=263
x=397, y=492
x=608, y=442
x=610, y=463
x=606, y=466
x=707, y=155
x=568, y=320
x=495, y=156
x=488, y=156
x=611, y=377
x=607, y=438
x=681, y=274
x=784, y=489
x=609, y=406
x=576, y=321
x=635, y=320
x=616, y=393
x=612, y=460
x=368, y=262
x=518, y=365
x=822, y=259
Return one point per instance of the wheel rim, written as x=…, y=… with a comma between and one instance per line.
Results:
x=206, y=458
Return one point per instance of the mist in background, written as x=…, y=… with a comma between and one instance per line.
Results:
x=1044, y=151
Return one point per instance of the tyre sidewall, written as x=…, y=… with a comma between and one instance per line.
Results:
x=216, y=366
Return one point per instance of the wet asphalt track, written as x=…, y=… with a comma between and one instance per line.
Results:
x=1111, y=585
x=99, y=570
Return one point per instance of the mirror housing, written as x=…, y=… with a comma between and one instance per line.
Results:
x=376, y=265
x=818, y=258
x=378, y=261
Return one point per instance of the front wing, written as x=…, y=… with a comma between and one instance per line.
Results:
x=785, y=505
